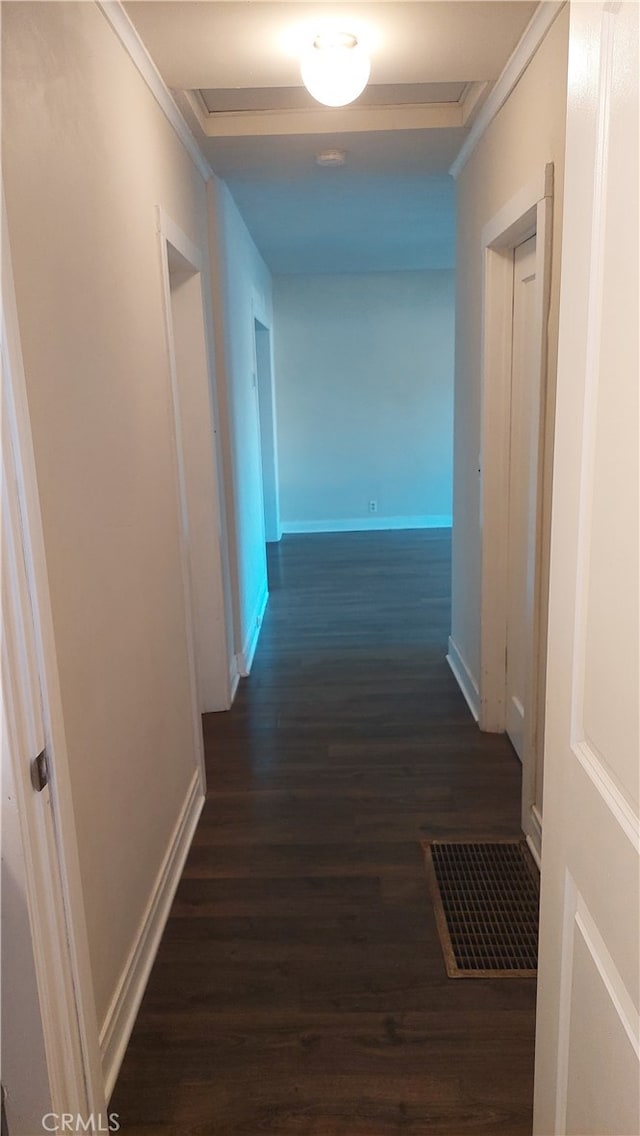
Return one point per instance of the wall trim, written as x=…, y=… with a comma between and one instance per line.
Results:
x=245, y=659
x=471, y=99
x=165, y=227
x=529, y=211
x=267, y=415
x=234, y=677
x=370, y=524
x=516, y=219
x=208, y=700
x=126, y=32
x=464, y=678
x=173, y=235
x=535, y=852
x=534, y=835
x=217, y=199
x=121, y=1015
x=517, y=63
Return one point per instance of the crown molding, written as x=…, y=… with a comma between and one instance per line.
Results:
x=192, y=107
x=472, y=99
x=533, y=35
x=114, y=12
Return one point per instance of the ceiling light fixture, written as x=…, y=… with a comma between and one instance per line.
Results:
x=335, y=69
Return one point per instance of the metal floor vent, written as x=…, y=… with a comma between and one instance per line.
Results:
x=485, y=896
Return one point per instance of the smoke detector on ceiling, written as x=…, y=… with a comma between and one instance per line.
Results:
x=331, y=158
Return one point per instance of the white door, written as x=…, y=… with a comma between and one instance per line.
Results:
x=50, y=1049
x=522, y=486
x=587, y=1053
x=25, y=1075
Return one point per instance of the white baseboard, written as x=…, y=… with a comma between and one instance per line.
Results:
x=534, y=852
x=464, y=678
x=534, y=836
x=121, y=1015
x=234, y=678
x=245, y=658
x=370, y=524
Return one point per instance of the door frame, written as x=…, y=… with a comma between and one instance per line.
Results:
x=529, y=211
x=170, y=235
x=54, y=887
x=266, y=412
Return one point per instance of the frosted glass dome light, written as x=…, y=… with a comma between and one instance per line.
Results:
x=335, y=69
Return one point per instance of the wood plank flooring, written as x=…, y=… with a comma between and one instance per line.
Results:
x=299, y=987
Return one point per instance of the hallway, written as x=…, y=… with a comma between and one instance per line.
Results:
x=299, y=987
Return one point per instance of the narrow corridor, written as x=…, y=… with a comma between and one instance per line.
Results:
x=300, y=987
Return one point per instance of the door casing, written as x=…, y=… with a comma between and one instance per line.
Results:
x=205, y=572
x=524, y=397
x=529, y=211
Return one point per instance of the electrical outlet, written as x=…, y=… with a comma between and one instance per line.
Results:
x=373, y=506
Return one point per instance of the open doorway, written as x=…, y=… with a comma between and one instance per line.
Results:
x=197, y=474
x=264, y=388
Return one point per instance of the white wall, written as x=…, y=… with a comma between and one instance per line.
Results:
x=527, y=133
x=241, y=292
x=88, y=155
x=364, y=388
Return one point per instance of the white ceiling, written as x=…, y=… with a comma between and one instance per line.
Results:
x=226, y=43
x=234, y=69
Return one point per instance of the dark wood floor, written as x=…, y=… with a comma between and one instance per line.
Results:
x=299, y=987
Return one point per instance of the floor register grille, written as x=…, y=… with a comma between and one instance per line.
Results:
x=486, y=898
